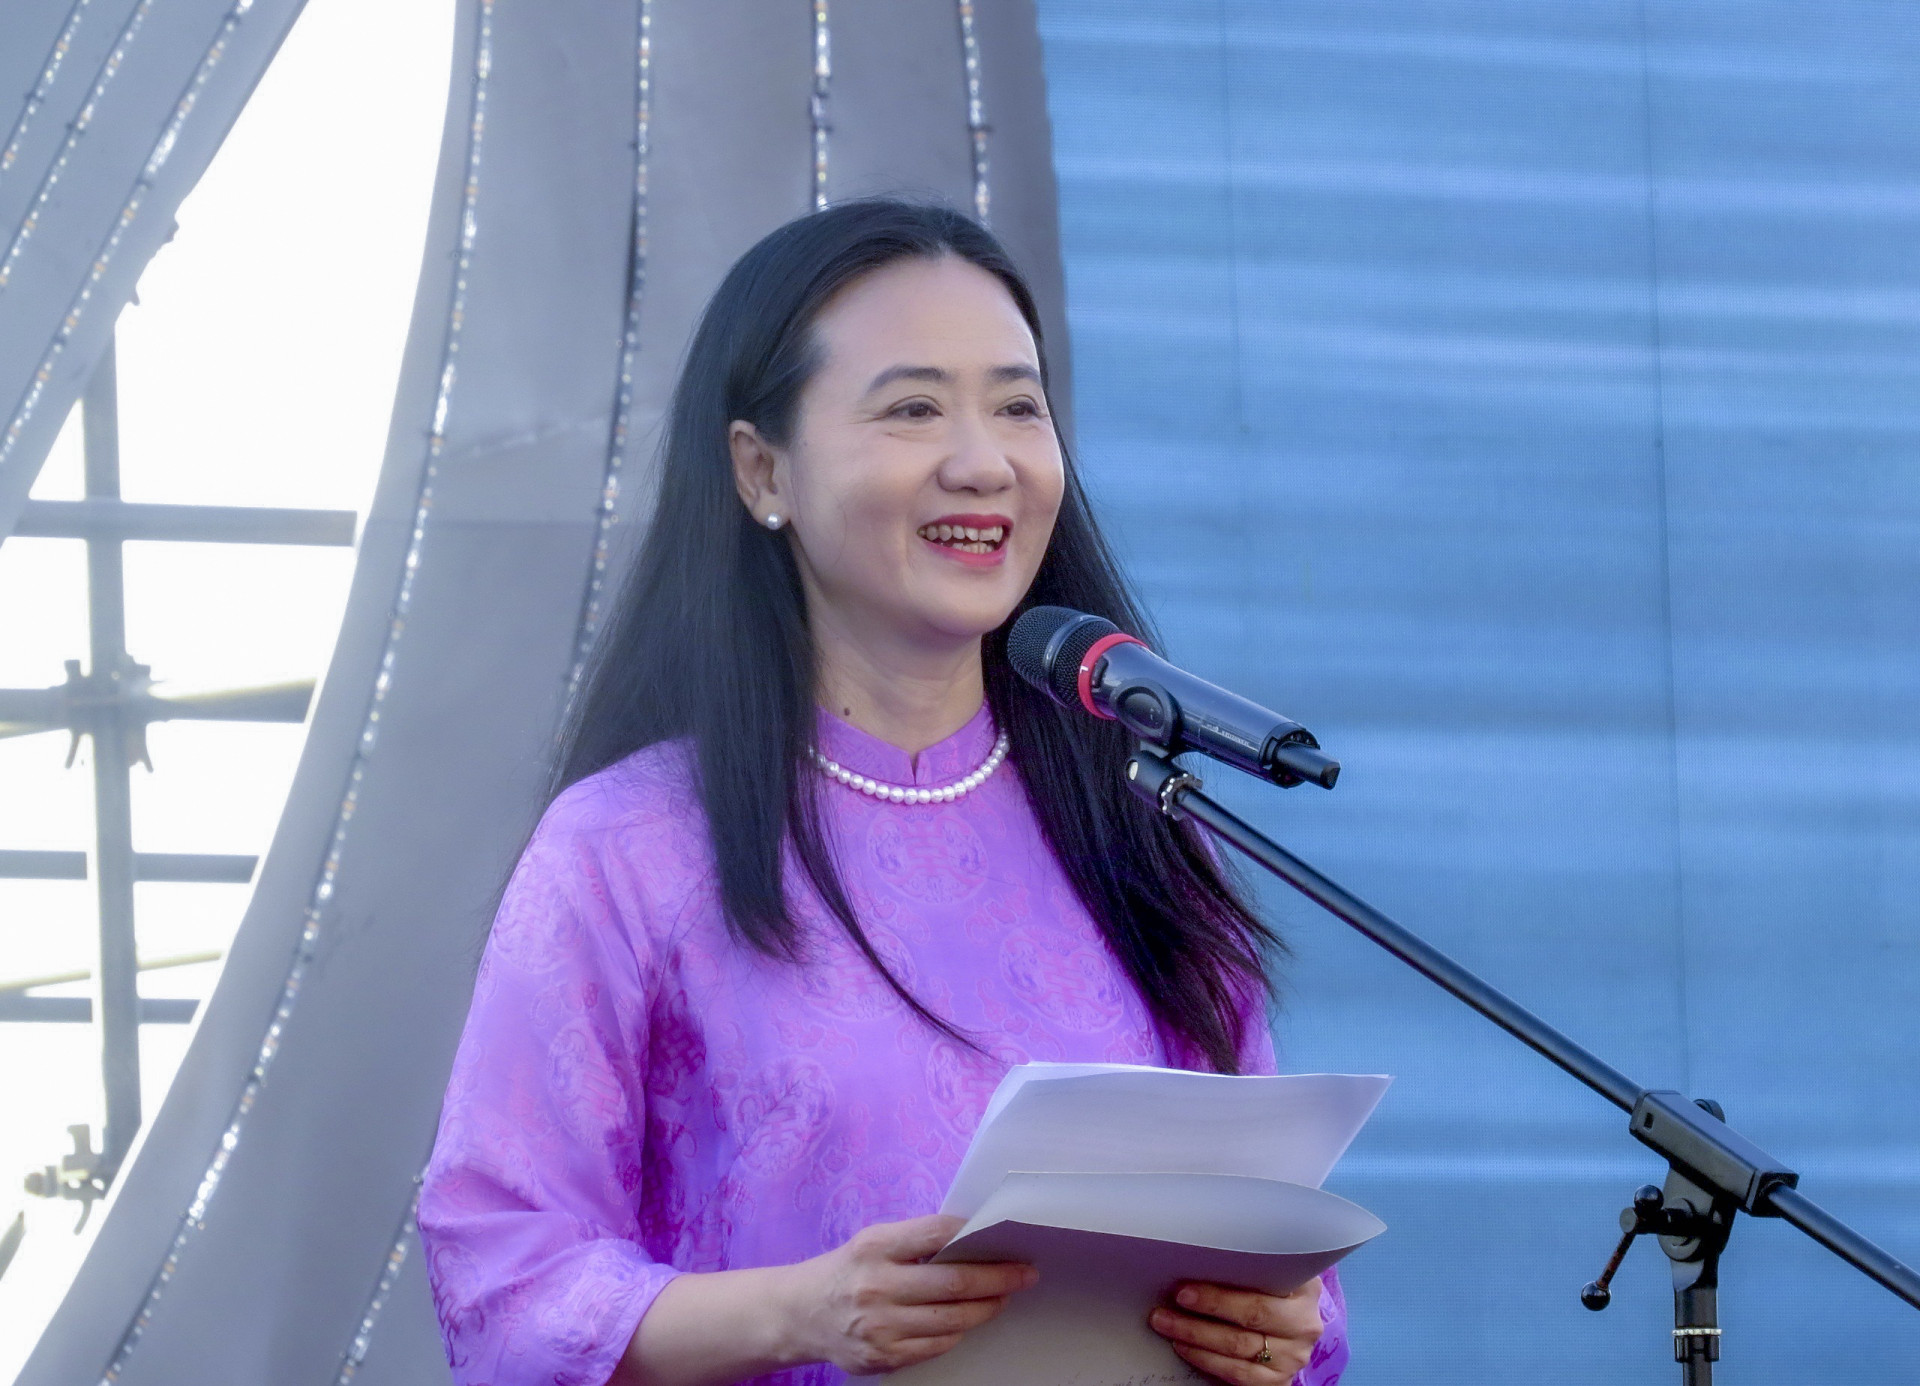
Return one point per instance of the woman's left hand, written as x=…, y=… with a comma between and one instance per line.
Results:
x=1223, y=1331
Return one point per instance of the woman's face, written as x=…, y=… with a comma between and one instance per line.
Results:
x=924, y=475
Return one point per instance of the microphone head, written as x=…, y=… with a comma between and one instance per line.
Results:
x=1045, y=647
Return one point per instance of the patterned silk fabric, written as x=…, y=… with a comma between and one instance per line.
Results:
x=635, y=1095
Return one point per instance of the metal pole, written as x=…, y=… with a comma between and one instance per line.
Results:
x=116, y=1009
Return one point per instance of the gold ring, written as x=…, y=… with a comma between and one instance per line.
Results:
x=1265, y=1355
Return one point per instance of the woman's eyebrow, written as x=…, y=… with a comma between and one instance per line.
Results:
x=932, y=374
x=936, y=375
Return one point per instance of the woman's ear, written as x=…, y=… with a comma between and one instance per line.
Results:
x=756, y=468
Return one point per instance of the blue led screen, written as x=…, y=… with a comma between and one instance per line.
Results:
x=1526, y=397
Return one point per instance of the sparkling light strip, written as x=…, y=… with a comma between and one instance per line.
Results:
x=817, y=106
x=591, y=609
x=156, y=159
x=976, y=118
x=383, y=1287
x=82, y=122
x=37, y=98
x=194, y=1220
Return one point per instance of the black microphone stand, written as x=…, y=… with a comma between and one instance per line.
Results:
x=1713, y=1171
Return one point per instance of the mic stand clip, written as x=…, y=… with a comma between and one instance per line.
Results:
x=1170, y=782
x=1693, y=1226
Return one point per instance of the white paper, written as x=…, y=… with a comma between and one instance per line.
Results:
x=1117, y=1182
x=1020, y=1075
x=1120, y=1119
x=1109, y=1247
x=1224, y=1212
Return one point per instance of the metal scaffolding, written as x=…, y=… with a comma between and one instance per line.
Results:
x=113, y=703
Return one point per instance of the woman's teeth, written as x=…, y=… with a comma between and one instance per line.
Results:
x=965, y=537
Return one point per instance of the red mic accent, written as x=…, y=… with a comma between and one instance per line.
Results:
x=1091, y=659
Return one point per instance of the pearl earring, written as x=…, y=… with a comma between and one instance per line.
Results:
x=772, y=521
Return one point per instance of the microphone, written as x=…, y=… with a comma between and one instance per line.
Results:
x=1088, y=662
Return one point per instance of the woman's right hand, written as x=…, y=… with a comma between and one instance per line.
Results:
x=872, y=1306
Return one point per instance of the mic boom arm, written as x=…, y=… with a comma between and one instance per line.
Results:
x=1713, y=1171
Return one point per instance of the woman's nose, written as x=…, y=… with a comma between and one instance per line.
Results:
x=977, y=462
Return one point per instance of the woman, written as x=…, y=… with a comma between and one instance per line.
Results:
x=822, y=868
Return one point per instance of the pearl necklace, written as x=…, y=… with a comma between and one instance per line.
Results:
x=908, y=794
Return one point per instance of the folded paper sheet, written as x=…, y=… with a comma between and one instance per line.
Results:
x=1121, y=1118
x=1117, y=1182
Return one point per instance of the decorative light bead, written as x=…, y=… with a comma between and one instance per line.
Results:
x=913, y=794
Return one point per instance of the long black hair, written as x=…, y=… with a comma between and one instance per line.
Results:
x=708, y=640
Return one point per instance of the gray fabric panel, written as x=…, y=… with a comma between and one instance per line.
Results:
x=27, y=34
x=1026, y=213
x=100, y=175
x=277, y=1283
x=404, y=1349
x=28, y=29
x=899, y=115
x=722, y=171
x=899, y=103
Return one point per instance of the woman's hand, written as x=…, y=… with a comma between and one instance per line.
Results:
x=871, y=1306
x=1223, y=1331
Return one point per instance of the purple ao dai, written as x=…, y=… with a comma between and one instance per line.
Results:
x=636, y=1096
